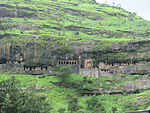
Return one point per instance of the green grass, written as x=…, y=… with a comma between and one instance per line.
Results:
x=56, y=95
x=47, y=17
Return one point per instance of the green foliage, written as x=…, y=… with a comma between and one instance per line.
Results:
x=130, y=106
x=61, y=110
x=90, y=82
x=95, y=106
x=57, y=95
x=114, y=109
x=73, y=104
x=15, y=100
x=75, y=19
x=62, y=71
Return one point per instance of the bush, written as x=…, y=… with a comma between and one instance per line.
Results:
x=62, y=71
x=15, y=100
x=95, y=106
x=73, y=105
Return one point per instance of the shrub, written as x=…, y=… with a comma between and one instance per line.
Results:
x=62, y=71
x=15, y=100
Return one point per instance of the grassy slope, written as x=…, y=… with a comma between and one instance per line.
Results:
x=69, y=19
x=57, y=95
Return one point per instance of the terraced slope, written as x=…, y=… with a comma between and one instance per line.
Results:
x=69, y=19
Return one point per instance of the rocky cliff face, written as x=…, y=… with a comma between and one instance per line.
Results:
x=125, y=58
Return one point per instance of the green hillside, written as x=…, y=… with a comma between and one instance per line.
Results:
x=37, y=35
x=69, y=19
x=57, y=95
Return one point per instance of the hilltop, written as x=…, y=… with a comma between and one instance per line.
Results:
x=69, y=19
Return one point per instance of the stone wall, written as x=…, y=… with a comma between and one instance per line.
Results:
x=38, y=72
x=142, y=67
x=18, y=68
x=138, y=68
x=93, y=72
x=90, y=72
x=11, y=68
x=104, y=73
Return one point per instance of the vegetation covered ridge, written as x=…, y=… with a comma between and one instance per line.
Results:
x=30, y=20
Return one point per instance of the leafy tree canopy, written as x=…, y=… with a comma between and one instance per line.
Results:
x=15, y=100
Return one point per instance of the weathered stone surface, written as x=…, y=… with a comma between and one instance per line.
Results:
x=30, y=56
x=133, y=87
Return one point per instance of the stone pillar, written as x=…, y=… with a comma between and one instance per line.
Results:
x=79, y=60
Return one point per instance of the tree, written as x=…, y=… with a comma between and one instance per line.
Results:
x=114, y=109
x=61, y=110
x=62, y=71
x=95, y=106
x=15, y=100
x=73, y=105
